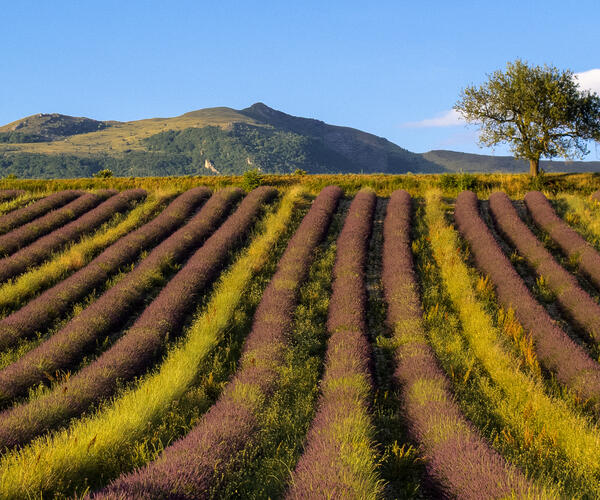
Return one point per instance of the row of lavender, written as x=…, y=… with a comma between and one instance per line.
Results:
x=21, y=216
x=9, y=194
x=569, y=295
x=22, y=236
x=56, y=301
x=570, y=242
x=42, y=248
x=138, y=347
x=339, y=452
x=188, y=468
x=459, y=461
x=555, y=350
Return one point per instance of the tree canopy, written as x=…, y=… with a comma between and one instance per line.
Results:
x=538, y=111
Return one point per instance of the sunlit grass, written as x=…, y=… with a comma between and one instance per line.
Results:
x=582, y=214
x=103, y=444
x=541, y=433
x=16, y=292
x=127, y=135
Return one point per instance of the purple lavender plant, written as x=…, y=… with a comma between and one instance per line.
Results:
x=38, y=313
x=187, y=468
x=554, y=349
x=69, y=344
x=42, y=248
x=322, y=469
x=21, y=216
x=9, y=194
x=24, y=235
x=141, y=344
x=570, y=242
x=569, y=295
x=459, y=461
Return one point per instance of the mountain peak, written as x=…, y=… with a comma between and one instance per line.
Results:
x=263, y=113
x=259, y=106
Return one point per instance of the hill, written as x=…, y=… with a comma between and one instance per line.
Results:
x=49, y=127
x=222, y=141
x=466, y=162
x=367, y=151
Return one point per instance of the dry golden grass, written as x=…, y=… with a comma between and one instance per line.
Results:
x=127, y=135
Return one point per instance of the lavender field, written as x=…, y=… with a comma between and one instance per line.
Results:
x=310, y=339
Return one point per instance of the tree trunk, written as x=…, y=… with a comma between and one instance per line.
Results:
x=534, y=167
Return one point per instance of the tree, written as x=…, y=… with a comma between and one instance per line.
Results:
x=104, y=174
x=538, y=111
x=252, y=179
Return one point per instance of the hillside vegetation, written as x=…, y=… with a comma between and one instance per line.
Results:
x=48, y=127
x=222, y=141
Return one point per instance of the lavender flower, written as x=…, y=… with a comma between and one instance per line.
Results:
x=554, y=349
x=21, y=216
x=187, y=468
x=140, y=346
x=42, y=248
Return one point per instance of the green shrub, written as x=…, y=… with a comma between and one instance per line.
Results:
x=460, y=182
x=104, y=174
x=252, y=179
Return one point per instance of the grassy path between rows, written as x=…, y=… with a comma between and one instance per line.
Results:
x=121, y=434
x=538, y=433
x=262, y=469
x=15, y=293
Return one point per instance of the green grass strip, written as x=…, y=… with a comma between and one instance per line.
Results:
x=263, y=467
x=549, y=439
x=20, y=201
x=15, y=293
x=92, y=446
x=581, y=214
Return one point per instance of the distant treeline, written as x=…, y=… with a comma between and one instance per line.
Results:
x=62, y=166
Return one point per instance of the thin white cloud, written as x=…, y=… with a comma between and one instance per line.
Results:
x=449, y=118
x=589, y=80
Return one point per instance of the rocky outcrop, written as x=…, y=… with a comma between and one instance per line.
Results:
x=209, y=166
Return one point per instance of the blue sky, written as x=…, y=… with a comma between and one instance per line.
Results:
x=383, y=67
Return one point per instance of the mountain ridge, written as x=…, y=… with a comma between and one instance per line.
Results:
x=227, y=141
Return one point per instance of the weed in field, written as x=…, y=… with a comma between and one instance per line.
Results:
x=543, y=291
x=458, y=182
